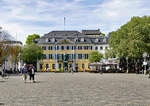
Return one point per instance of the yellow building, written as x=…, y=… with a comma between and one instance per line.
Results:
x=68, y=50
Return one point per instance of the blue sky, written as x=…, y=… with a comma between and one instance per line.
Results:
x=23, y=17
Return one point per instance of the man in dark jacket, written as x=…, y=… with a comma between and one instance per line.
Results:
x=31, y=73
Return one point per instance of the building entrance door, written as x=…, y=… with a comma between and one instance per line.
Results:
x=66, y=58
x=65, y=66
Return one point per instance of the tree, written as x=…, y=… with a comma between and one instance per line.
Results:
x=3, y=52
x=95, y=56
x=14, y=53
x=132, y=39
x=102, y=34
x=30, y=38
x=7, y=50
x=31, y=53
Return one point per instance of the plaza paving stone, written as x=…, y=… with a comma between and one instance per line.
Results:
x=77, y=89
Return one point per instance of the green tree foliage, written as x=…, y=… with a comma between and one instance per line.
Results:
x=31, y=53
x=15, y=52
x=109, y=53
x=102, y=34
x=132, y=39
x=7, y=50
x=95, y=56
x=30, y=38
x=3, y=52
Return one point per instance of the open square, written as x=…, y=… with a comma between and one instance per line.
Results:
x=77, y=89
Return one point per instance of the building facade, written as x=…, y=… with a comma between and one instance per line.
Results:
x=69, y=50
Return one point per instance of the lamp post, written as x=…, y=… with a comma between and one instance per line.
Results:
x=74, y=52
x=19, y=62
x=56, y=59
x=144, y=63
x=64, y=60
x=127, y=64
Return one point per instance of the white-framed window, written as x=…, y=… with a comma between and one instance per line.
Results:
x=101, y=48
x=82, y=39
x=96, y=48
x=53, y=66
x=96, y=40
x=53, y=39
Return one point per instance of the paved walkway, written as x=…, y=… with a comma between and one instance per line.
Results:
x=78, y=89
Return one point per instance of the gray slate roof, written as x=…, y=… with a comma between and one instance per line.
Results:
x=73, y=37
x=91, y=32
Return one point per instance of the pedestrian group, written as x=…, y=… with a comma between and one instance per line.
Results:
x=28, y=70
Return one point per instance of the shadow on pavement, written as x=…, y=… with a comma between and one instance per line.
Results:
x=35, y=82
x=2, y=81
x=1, y=103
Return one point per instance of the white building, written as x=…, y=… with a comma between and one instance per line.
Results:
x=7, y=39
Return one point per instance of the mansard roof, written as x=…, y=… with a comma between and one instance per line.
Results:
x=55, y=37
x=91, y=32
x=62, y=33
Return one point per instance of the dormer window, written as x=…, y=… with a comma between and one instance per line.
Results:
x=100, y=40
x=96, y=48
x=49, y=40
x=104, y=40
x=82, y=39
x=46, y=40
x=101, y=48
x=53, y=39
x=96, y=40
x=78, y=40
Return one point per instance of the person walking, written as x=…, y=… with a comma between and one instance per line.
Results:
x=3, y=73
x=24, y=72
x=72, y=70
x=149, y=73
x=31, y=73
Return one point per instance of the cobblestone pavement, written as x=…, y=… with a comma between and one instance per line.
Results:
x=78, y=89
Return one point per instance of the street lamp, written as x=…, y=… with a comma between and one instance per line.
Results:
x=19, y=62
x=74, y=53
x=56, y=58
x=127, y=64
x=144, y=63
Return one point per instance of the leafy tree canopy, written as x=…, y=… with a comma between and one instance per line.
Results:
x=3, y=52
x=102, y=34
x=31, y=53
x=15, y=52
x=109, y=53
x=9, y=51
x=132, y=39
x=30, y=38
x=95, y=56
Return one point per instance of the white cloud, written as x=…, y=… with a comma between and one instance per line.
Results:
x=41, y=16
x=118, y=12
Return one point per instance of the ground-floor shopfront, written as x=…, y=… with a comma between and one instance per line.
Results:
x=63, y=66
